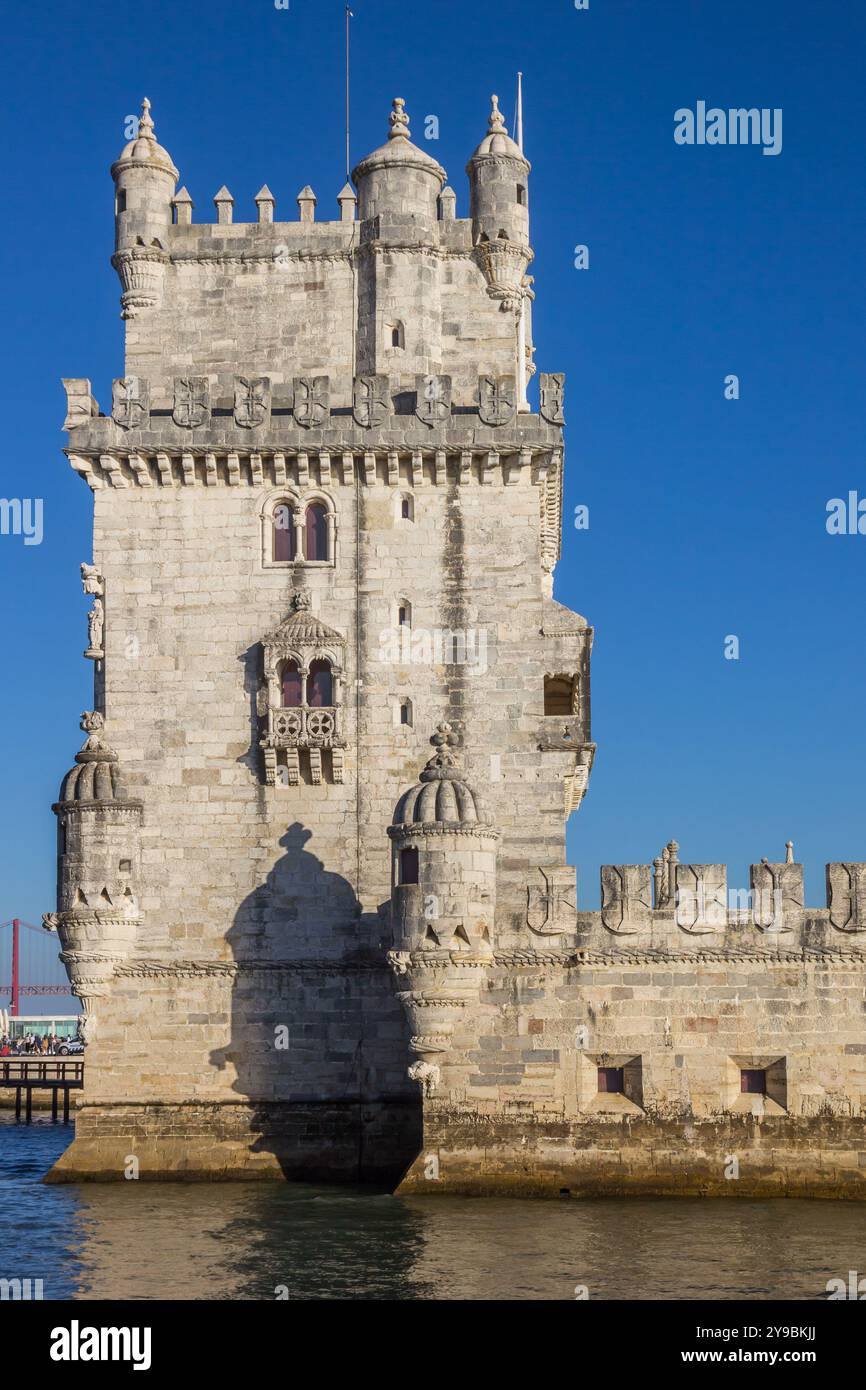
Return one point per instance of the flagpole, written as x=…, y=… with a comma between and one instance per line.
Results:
x=523, y=402
x=520, y=111
x=348, y=157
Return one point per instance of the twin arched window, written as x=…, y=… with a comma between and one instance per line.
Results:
x=314, y=531
x=319, y=686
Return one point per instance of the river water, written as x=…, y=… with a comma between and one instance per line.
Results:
x=267, y=1240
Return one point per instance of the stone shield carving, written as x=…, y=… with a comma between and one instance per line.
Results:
x=626, y=898
x=846, y=896
x=497, y=399
x=312, y=400
x=701, y=903
x=191, y=401
x=129, y=402
x=252, y=401
x=371, y=401
x=552, y=397
x=551, y=905
x=433, y=399
x=777, y=896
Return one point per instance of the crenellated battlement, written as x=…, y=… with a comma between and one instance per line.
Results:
x=671, y=906
x=395, y=284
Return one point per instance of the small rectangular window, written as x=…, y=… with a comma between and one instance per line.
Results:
x=610, y=1080
x=521, y=195
x=753, y=1081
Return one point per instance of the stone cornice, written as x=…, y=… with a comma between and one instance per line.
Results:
x=420, y=461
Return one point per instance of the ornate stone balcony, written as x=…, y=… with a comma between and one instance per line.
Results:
x=301, y=727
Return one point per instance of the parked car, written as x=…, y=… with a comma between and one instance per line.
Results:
x=71, y=1047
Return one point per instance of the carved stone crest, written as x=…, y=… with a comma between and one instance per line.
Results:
x=846, y=896
x=777, y=896
x=91, y=580
x=701, y=903
x=252, y=401
x=433, y=399
x=551, y=905
x=626, y=898
x=552, y=396
x=312, y=400
x=191, y=401
x=129, y=402
x=371, y=401
x=497, y=399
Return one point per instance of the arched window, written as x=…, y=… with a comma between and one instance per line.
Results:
x=320, y=685
x=408, y=866
x=316, y=532
x=396, y=335
x=284, y=532
x=404, y=613
x=407, y=507
x=559, y=694
x=406, y=712
x=291, y=685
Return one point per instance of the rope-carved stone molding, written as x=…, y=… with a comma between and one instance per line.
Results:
x=572, y=959
x=188, y=969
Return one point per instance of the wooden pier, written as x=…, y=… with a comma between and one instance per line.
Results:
x=29, y=1074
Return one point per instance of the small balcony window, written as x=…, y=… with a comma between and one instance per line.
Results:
x=291, y=686
x=320, y=685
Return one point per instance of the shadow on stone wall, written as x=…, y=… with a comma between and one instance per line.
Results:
x=319, y=1043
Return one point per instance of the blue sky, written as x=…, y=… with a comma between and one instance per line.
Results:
x=707, y=516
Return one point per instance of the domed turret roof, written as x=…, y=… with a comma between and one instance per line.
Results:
x=497, y=141
x=399, y=150
x=303, y=628
x=441, y=795
x=96, y=776
x=143, y=148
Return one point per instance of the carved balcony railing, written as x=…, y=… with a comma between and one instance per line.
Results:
x=301, y=727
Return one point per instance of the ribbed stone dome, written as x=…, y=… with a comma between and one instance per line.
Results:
x=143, y=149
x=497, y=141
x=398, y=150
x=441, y=795
x=96, y=775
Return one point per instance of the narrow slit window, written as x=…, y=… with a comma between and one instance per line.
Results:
x=408, y=866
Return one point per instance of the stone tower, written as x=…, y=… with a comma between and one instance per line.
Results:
x=325, y=524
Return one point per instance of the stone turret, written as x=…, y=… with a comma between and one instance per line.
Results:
x=399, y=299
x=499, y=192
x=443, y=900
x=98, y=868
x=145, y=180
x=398, y=179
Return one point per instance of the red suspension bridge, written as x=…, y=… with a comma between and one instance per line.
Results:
x=29, y=963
